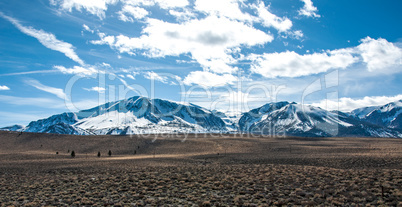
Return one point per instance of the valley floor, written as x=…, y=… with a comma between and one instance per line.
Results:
x=199, y=170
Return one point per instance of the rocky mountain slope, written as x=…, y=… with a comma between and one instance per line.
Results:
x=389, y=115
x=284, y=118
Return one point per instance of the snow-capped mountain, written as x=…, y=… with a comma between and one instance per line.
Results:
x=231, y=119
x=389, y=115
x=15, y=127
x=136, y=115
x=140, y=115
x=284, y=118
x=361, y=112
x=58, y=124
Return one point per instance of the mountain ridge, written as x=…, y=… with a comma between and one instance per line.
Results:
x=141, y=115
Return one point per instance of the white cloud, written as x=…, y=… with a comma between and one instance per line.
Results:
x=271, y=20
x=55, y=91
x=184, y=15
x=83, y=71
x=291, y=64
x=308, y=9
x=4, y=88
x=167, y=4
x=164, y=4
x=210, y=40
x=96, y=89
x=129, y=12
x=223, y=8
x=105, y=40
x=228, y=99
x=86, y=28
x=379, y=54
x=349, y=104
x=154, y=76
x=208, y=79
x=139, y=2
x=95, y=7
x=106, y=65
x=48, y=40
x=130, y=76
x=298, y=34
x=29, y=72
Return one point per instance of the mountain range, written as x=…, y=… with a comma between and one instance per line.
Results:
x=141, y=115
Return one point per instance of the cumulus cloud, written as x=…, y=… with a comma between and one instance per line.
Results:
x=95, y=7
x=291, y=64
x=4, y=88
x=210, y=40
x=208, y=79
x=168, y=4
x=96, y=89
x=55, y=91
x=379, y=54
x=212, y=33
x=222, y=8
x=308, y=9
x=129, y=12
x=48, y=40
x=105, y=40
x=349, y=104
x=271, y=20
x=78, y=70
x=184, y=15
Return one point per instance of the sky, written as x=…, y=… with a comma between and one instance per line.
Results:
x=227, y=55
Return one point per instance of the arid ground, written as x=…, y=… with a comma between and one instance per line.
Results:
x=198, y=170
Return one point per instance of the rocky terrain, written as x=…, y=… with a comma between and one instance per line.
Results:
x=198, y=170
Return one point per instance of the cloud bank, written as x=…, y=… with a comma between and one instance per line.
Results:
x=349, y=104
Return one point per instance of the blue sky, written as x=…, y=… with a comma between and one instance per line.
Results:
x=230, y=55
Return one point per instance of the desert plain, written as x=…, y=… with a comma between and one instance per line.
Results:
x=198, y=170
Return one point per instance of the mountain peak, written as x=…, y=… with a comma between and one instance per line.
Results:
x=15, y=127
x=135, y=115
